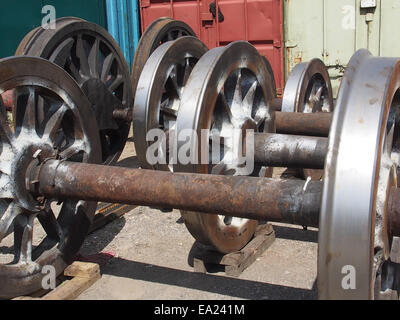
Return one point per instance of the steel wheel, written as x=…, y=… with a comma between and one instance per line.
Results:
x=93, y=58
x=52, y=119
x=159, y=92
x=308, y=90
x=158, y=32
x=229, y=88
x=360, y=169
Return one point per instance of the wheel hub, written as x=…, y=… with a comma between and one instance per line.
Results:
x=103, y=102
x=30, y=155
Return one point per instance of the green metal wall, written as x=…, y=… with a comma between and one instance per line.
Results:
x=18, y=17
x=333, y=30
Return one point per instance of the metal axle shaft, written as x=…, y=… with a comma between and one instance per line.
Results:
x=308, y=124
x=287, y=201
x=281, y=150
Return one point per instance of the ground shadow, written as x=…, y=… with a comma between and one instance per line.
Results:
x=237, y=288
x=100, y=239
x=198, y=248
x=296, y=234
x=130, y=162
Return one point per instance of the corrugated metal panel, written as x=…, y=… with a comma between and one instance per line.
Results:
x=123, y=25
x=390, y=28
x=258, y=21
x=333, y=30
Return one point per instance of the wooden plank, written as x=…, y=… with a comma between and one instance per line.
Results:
x=199, y=266
x=236, y=262
x=83, y=274
x=108, y=212
x=250, y=253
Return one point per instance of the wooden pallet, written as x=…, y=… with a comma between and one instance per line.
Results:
x=108, y=212
x=235, y=263
x=78, y=277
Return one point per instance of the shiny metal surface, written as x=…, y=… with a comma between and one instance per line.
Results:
x=159, y=92
x=308, y=89
x=49, y=120
x=158, y=32
x=229, y=88
x=360, y=169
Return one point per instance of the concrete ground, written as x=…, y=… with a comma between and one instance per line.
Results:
x=152, y=260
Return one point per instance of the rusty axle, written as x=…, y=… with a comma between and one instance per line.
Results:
x=287, y=201
x=281, y=150
x=308, y=124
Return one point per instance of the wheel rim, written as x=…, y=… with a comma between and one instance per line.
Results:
x=355, y=194
x=229, y=88
x=50, y=120
x=159, y=93
x=158, y=32
x=93, y=58
x=308, y=90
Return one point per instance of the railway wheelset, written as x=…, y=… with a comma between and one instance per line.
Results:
x=69, y=96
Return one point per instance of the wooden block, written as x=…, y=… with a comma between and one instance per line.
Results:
x=108, y=212
x=26, y=298
x=84, y=275
x=82, y=269
x=236, y=262
x=199, y=266
x=71, y=289
x=395, y=252
x=250, y=253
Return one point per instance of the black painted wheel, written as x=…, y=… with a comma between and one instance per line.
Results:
x=93, y=58
x=158, y=32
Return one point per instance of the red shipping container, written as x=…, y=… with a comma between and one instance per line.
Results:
x=259, y=22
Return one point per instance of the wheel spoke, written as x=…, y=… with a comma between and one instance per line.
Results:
x=41, y=115
x=170, y=36
x=107, y=64
x=237, y=97
x=223, y=112
x=187, y=72
x=219, y=168
x=389, y=138
x=81, y=54
x=29, y=121
x=170, y=111
x=50, y=224
x=72, y=150
x=94, y=59
x=249, y=99
x=62, y=53
x=6, y=135
x=23, y=236
x=116, y=83
x=75, y=72
x=172, y=83
x=5, y=182
x=54, y=123
x=8, y=218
